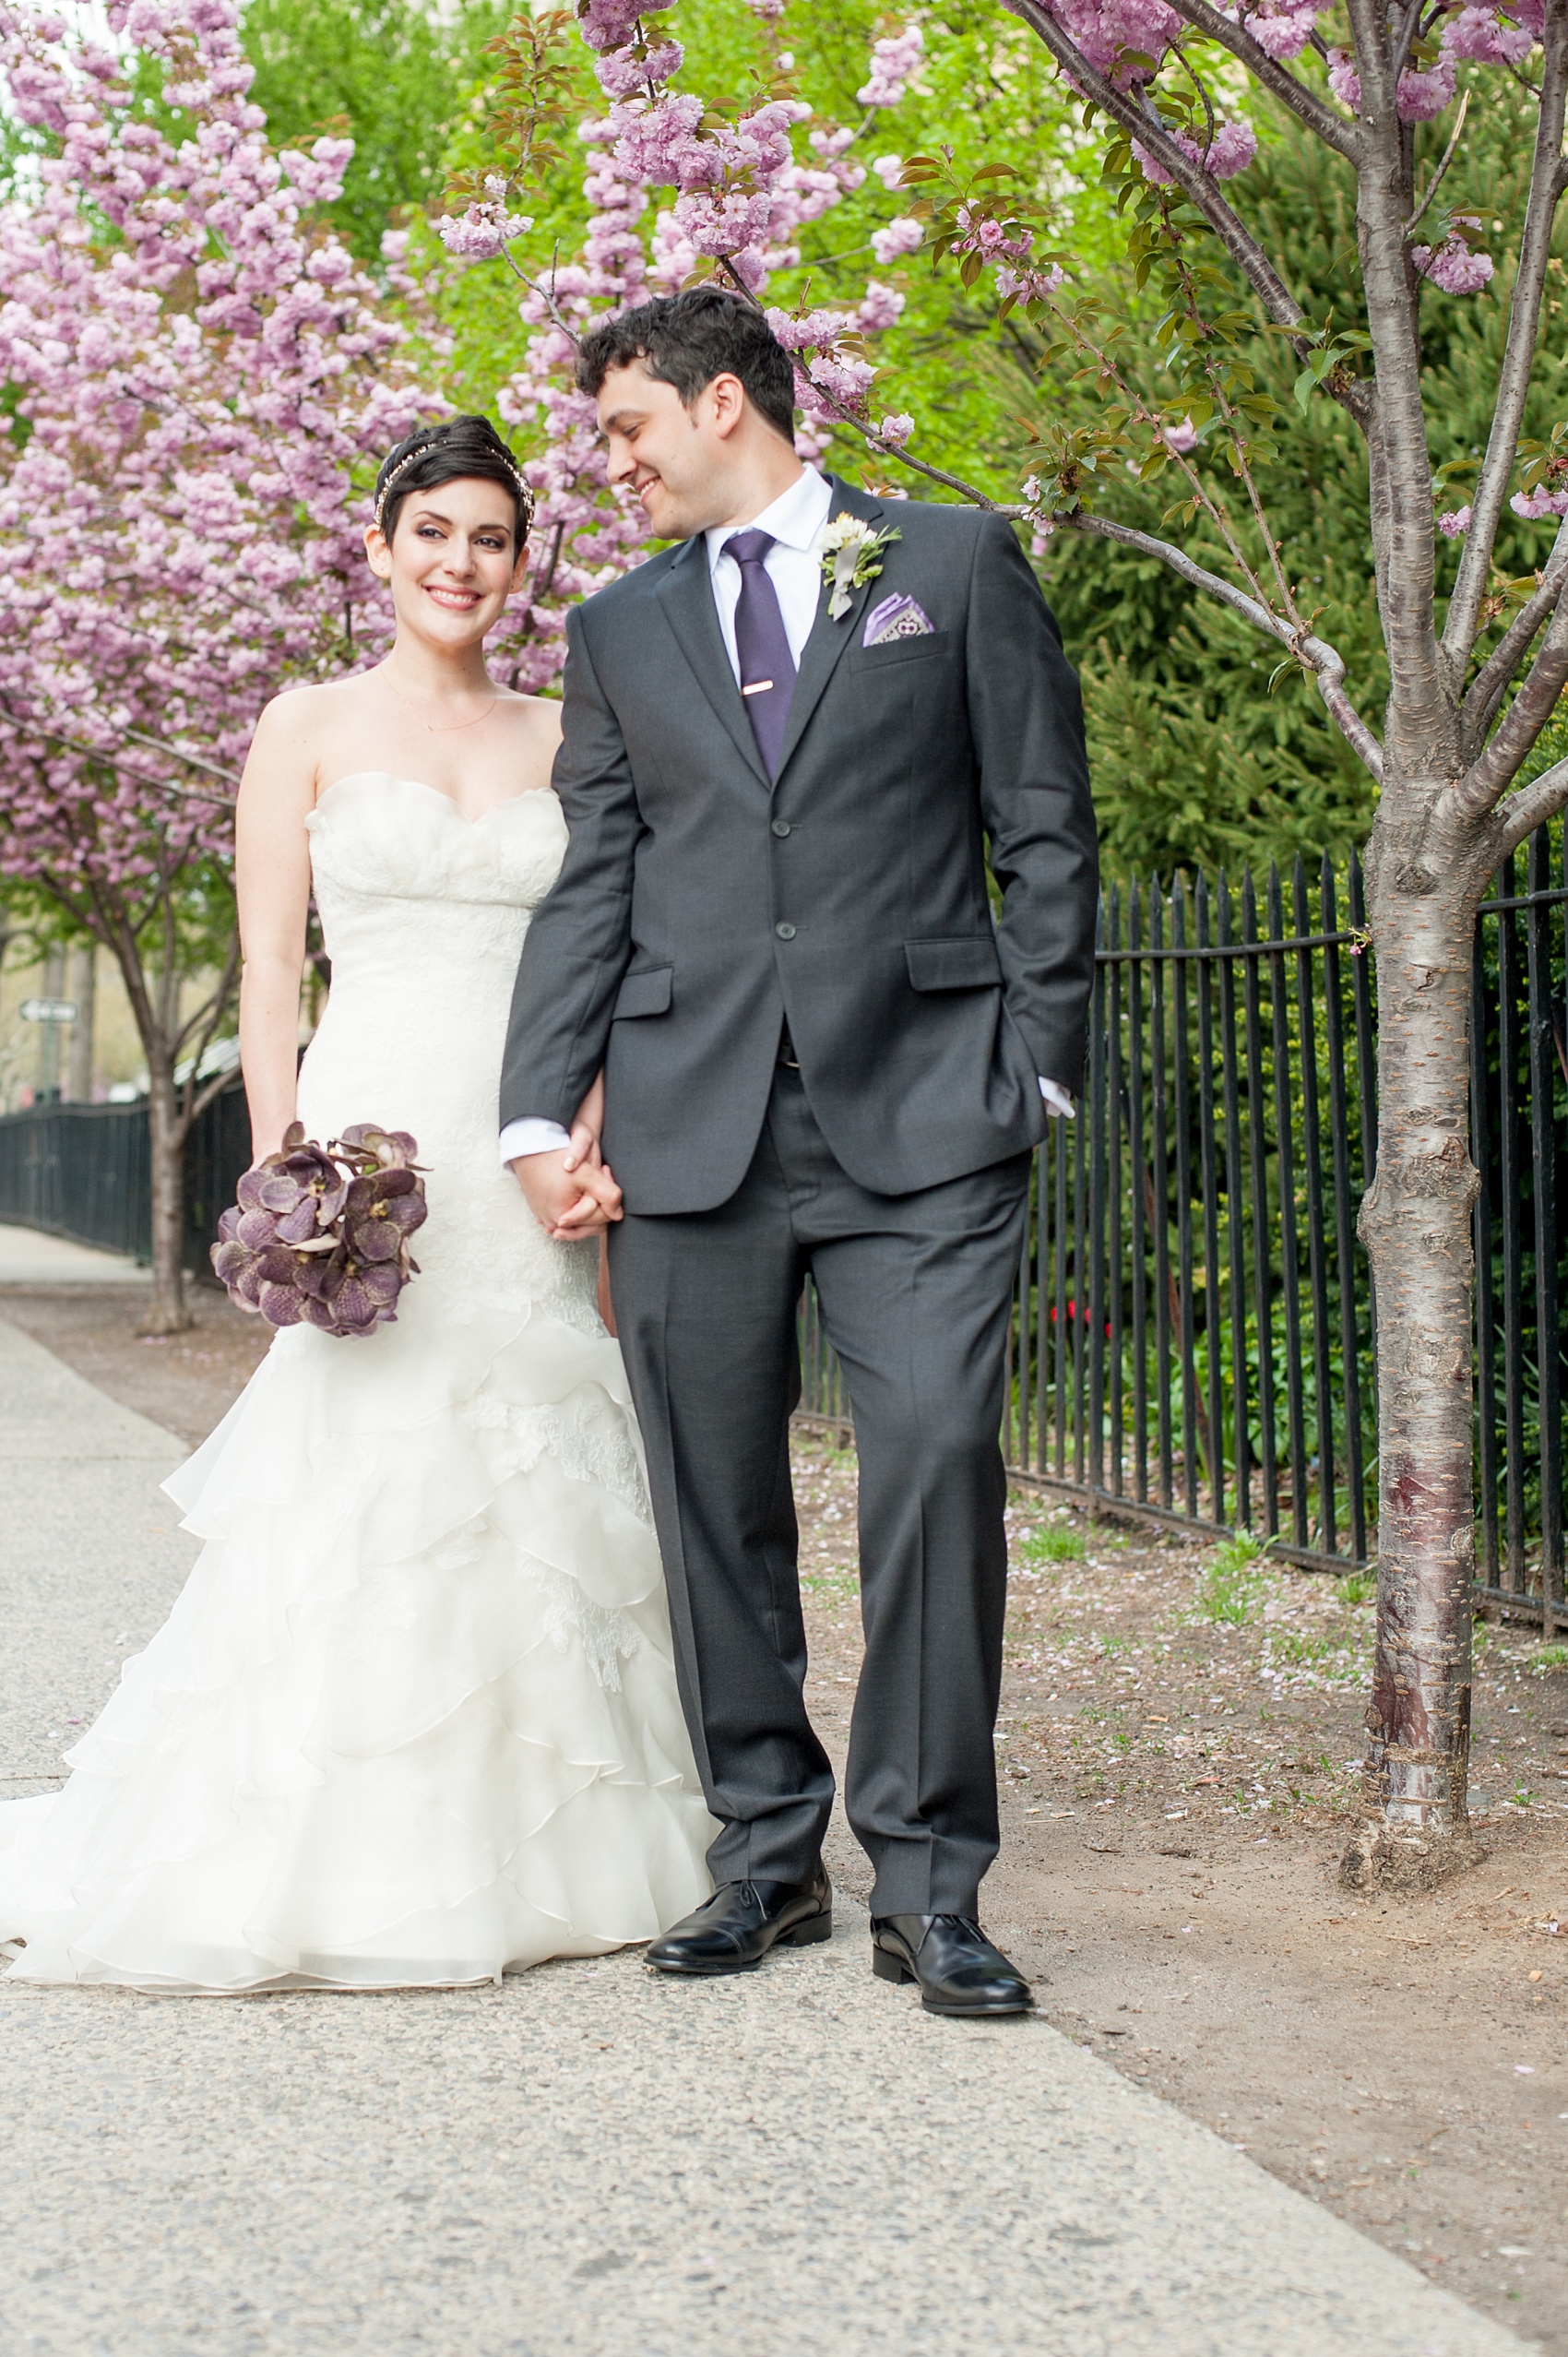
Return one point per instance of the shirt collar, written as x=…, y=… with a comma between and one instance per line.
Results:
x=795, y=519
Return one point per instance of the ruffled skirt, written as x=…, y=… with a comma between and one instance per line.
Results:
x=414, y=1721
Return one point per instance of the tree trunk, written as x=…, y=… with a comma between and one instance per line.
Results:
x=167, y=1313
x=84, y=990
x=1416, y=1224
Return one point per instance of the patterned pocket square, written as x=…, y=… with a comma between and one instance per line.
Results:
x=895, y=617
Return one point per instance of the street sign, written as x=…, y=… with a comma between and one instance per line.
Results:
x=48, y=1010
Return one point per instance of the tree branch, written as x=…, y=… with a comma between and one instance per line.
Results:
x=546, y=296
x=1313, y=654
x=1403, y=508
x=8, y=719
x=1547, y=182
x=212, y=1009
x=1488, y=687
x=1449, y=152
x=1527, y=810
x=1304, y=104
x=190, y=760
x=1194, y=181
x=1477, y=792
x=972, y=492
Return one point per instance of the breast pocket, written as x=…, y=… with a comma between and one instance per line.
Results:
x=927, y=648
x=648, y=992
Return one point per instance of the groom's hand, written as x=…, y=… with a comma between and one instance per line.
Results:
x=571, y=1193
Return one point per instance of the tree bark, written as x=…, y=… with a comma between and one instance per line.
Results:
x=84, y=990
x=167, y=1313
x=1416, y=1225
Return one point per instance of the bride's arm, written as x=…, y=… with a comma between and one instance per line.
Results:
x=272, y=883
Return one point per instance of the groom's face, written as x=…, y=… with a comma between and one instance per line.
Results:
x=678, y=460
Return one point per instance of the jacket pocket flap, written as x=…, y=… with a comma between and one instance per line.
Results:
x=953, y=965
x=924, y=645
x=646, y=992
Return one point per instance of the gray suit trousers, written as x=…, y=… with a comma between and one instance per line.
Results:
x=914, y=1291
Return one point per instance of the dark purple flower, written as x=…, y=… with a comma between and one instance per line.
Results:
x=319, y=1235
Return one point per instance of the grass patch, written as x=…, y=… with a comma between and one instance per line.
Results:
x=1232, y=1586
x=1550, y=1657
x=1054, y=1542
x=1357, y=1587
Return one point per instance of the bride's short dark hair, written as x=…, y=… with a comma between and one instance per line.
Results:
x=437, y=454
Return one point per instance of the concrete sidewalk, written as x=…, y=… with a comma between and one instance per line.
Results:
x=28, y=1257
x=588, y=2162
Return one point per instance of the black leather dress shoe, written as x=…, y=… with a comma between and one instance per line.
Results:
x=737, y=1926
x=958, y=1968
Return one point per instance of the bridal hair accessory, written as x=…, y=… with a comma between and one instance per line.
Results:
x=525, y=489
x=852, y=556
x=319, y=1235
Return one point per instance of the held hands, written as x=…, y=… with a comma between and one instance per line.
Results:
x=572, y=1194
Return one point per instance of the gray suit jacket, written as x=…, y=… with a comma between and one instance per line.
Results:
x=699, y=906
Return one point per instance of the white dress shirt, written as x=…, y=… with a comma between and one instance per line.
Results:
x=797, y=519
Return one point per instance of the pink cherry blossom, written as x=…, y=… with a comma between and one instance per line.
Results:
x=1535, y=505
x=742, y=190
x=1453, y=266
x=1029, y=285
x=889, y=169
x=900, y=236
x=1180, y=439
x=207, y=392
x=1487, y=37
x=1421, y=96
x=1234, y=147
x=893, y=64
x=1111, y=32
x=1283, y=32
x=1344, y=80
x=880, y=308
x=897, y=429
x=1454, y=521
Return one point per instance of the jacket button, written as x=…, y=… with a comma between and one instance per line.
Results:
x=782, y=827
x=785, y=932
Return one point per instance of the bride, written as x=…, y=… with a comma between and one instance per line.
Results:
x=414, y=1721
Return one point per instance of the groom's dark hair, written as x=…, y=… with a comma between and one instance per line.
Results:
x=689, y=339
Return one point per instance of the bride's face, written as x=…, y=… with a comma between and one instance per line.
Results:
x=451, y=561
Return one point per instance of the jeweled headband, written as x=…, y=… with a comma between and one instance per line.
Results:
x=525, y=491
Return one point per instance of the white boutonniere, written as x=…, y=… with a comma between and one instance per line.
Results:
x=852, y=556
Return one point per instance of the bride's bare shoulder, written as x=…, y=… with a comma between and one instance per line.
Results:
x=540, y=715
x=303, y=711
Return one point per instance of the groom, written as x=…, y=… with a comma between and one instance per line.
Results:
x=821, y=1057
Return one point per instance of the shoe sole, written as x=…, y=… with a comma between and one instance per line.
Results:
x=888, y=1966
x=806, y=1933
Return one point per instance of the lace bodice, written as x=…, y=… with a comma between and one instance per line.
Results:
x=425, y=913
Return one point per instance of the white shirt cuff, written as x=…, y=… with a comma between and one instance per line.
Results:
x=1056, y=1098
x=532, y=1136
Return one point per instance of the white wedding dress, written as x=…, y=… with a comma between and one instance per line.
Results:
x=414, y=1721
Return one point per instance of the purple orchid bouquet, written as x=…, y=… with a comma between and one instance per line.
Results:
x=320, y=1234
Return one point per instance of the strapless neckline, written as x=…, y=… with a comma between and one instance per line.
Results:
x=390, y=777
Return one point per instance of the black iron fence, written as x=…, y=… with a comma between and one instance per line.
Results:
x=1194, y=1336
x=1195, y=1330
x=85, y=1172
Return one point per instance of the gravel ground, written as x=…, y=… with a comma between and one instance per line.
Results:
x=292, y=2175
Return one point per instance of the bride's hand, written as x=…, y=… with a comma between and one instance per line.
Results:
x=568, y=1203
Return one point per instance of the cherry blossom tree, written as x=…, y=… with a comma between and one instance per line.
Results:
x=201, y=381
x=1476, y=661
x=739, y=195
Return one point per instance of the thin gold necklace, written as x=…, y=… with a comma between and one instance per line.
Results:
x=446, y=728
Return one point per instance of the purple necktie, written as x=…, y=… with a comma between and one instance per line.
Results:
x=767, y=668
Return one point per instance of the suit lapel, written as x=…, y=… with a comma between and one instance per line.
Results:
x=823, y=649
x=687, y=593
